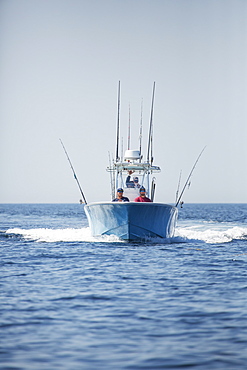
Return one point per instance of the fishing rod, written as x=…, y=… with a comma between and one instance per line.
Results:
x=189, y=177
x=118, y=114
x=177, y=192
x=74, y=172
x=111, y=176
x=150, y=138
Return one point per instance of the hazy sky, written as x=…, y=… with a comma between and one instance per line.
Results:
x=60, y=63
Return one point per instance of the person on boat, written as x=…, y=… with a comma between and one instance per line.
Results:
x=120, y=197
x=134, y=183
x=142, y=197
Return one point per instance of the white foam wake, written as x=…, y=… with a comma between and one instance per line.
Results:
x=61, y=235
x=207, y=233
x=211, y=235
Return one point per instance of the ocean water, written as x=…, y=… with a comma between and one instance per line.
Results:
x=71, y=301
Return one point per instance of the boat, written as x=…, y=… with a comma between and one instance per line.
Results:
x=132, y=220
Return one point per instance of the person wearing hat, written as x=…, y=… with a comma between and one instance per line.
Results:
x=134, y=183
x=142, y=197
x=120, y=197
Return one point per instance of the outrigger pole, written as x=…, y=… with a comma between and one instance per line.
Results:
x=140, y=138
x=118, y=115
x=150, y=138
x=189, y=177
x=74, y=172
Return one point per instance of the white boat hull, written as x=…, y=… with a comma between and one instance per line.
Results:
x=132, y=221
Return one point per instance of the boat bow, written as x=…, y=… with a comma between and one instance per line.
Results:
x=131, y=220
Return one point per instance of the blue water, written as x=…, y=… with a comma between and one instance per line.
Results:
x=71, y=301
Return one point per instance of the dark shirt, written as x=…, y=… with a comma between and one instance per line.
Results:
x=123, y=199
x=129, y=184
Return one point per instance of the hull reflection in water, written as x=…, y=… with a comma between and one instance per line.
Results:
x=132, y=221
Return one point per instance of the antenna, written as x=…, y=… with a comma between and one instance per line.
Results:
x=140, y=138
x=118, y=114
x=150, y=138
x=129, y=130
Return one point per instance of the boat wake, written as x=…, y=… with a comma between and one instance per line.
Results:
x=59, y=235
x=185, y=233
x=211, y=233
